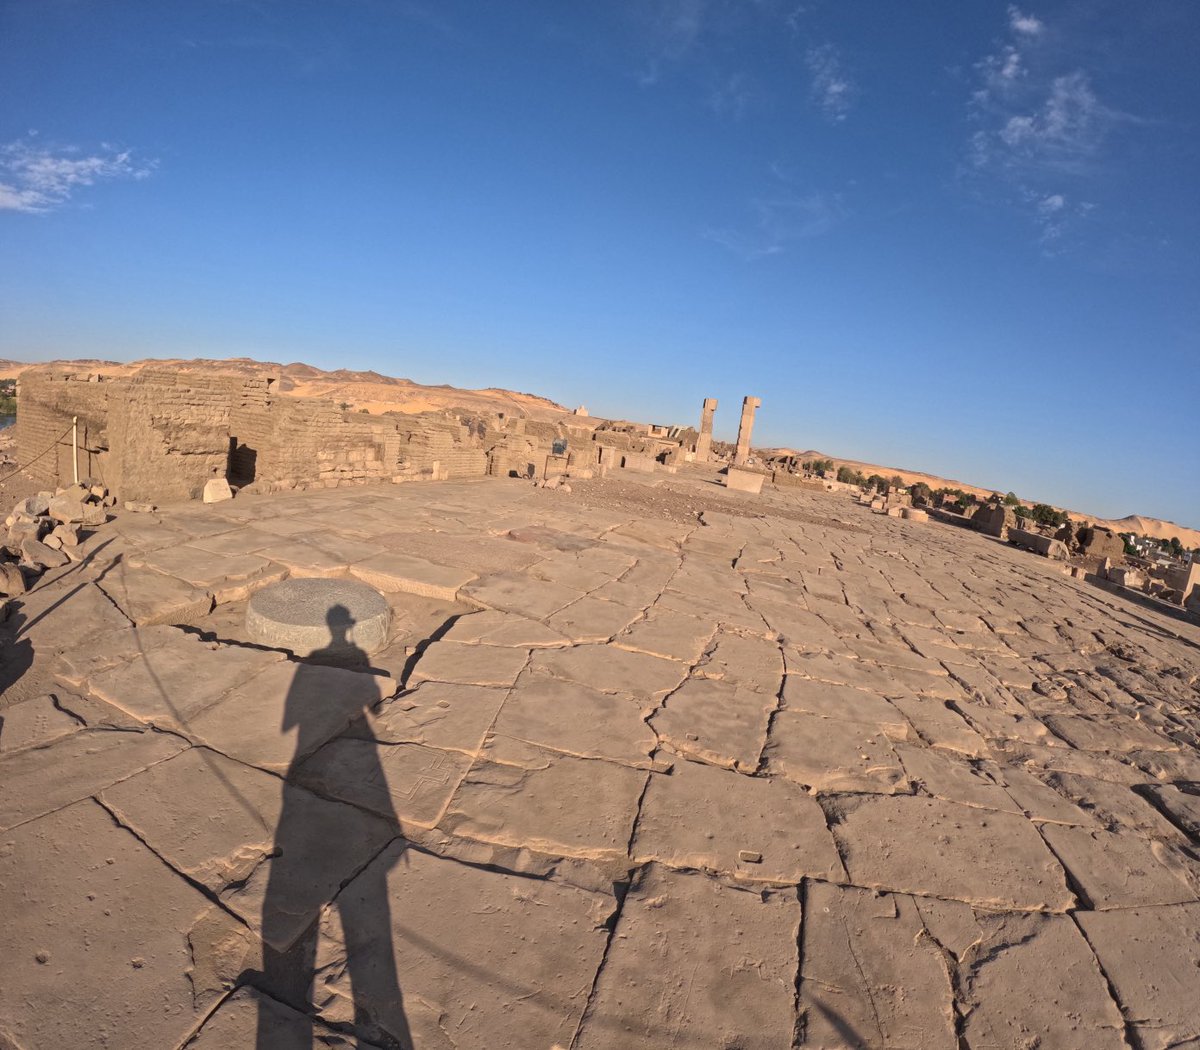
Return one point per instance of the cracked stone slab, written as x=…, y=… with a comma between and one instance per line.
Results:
x=611, y=670
x=94, y=947
x=228, y=577
x=933, y=848
x=953, y=779
x=304, y=560
x=1149, y=956
x=826, y=754
x=168, y=685
x=667, y=634
x=460, y=664
x=35, y=723
x=1118, y=807
x=520, y=795
x=940, y=726
x=449, y=717
x=392, y=571
x=148, y=598
x=685, y=948
x=701, y=816
x=1183, y=807
x=78, y=662
x=716, y=721
x=236, y=1023
x=516, y=592
x=1113, y=734
x=218, y=822
x=484, y=960
x=750, y=663
x=287, y=711
x=1026, y=980
x=843, y=702
x=491, y=627
x=593, y=619
x=571, y=718
x=407, y=783
x=34, y=780
x=870, y=975
x=994, y=724
x=1117, y=870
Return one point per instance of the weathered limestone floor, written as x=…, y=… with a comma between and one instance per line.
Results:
x=796, y=776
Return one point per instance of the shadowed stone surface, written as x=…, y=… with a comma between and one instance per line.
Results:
x=579, y=799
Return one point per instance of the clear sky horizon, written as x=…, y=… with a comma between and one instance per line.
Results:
x=958, y=237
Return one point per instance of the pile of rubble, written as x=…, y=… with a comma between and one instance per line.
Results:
x=43, y=532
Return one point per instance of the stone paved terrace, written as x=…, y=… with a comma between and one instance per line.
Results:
x=795, y=775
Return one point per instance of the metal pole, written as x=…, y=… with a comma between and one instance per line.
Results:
x=75, y=447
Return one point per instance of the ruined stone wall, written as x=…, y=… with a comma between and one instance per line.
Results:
x=46, y=401
x=169, y=433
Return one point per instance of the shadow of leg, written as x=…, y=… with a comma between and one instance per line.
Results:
x=367, y=927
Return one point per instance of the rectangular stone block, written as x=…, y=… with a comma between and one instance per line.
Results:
x=744, y=481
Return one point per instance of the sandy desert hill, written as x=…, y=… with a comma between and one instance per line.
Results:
x=359, y=390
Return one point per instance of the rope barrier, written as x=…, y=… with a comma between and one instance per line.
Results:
x=53, y=445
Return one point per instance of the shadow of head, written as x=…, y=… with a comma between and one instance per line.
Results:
x=340, y=621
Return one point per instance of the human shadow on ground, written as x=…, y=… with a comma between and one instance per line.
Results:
x=369, y=958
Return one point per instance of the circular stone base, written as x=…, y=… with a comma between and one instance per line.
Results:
x=332, y=617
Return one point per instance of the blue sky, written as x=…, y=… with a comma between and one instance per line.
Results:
x=954, y=236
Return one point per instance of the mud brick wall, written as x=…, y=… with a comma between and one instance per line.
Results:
x=169, y=433
x=46, y=401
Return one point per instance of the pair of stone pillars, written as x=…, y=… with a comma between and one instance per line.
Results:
x=704, y=441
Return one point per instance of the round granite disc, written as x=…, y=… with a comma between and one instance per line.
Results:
x=330, y=617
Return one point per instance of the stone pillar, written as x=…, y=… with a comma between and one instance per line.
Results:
x=744, y=428
x=704, y=441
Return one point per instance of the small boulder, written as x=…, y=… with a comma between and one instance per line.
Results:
x=36, y=506
x=12, y=580
x=216, y=490
x=67, y=507
x=67, y=536
x=94, y=514
x=36, y=553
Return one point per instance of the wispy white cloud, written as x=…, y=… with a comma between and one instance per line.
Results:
x=832, y=89
x=731, y=97
x=36, y=178
x=779, y=222
x=1038, y=128
x=1026, y=25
